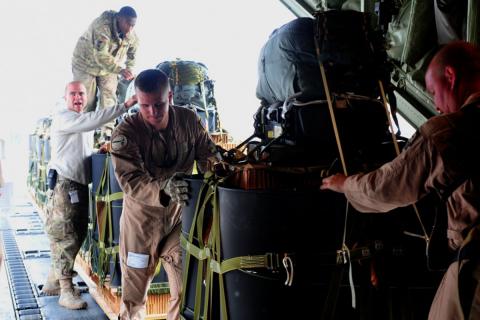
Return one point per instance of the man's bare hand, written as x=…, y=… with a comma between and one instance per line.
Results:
x=334, y=183
x=131, y=102
x=127, y=74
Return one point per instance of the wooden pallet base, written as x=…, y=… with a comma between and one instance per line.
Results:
x=109, y=299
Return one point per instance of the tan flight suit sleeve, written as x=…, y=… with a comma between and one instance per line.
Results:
x=135, y=181
x=204, y=146
x=101, y=54
x=433, y=161
x=399, y=183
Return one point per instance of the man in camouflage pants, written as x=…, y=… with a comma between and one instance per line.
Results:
x=104, y=51
x=71, y=136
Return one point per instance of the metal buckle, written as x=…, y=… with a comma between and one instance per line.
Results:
x=342, y=257
x=365, y=252
x=272, y=262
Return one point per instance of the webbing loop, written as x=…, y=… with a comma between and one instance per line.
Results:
x=109, y=197
x=270, y=261
x=200, y=254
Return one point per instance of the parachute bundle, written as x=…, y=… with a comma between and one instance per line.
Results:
x=293, y=122
x=193, y=88
x=289, y=65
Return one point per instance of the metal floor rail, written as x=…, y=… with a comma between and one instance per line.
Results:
x=21, y=289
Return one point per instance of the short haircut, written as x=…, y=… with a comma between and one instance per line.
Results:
x=127, y=12
x=151, y=80
x=462, y=56
x=73, y=82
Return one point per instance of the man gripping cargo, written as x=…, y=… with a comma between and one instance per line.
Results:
x=104, y=51
x=149, y=151
x=71, y=136
x=438, y=159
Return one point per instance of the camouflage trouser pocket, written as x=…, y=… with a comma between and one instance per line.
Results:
x=66, y=224
x=59, y=230
x=62, y=213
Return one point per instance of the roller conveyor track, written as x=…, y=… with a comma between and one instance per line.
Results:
x=25, y=268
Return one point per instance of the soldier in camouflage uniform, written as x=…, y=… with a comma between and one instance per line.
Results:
x=104, y=51
x=71, y=137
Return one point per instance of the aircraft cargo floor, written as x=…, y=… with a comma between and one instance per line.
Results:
x=25, y=268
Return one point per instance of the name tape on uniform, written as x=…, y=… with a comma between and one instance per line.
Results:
x=137, y=260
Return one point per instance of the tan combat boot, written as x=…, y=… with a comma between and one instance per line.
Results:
x=52, y=286
x=68, y=298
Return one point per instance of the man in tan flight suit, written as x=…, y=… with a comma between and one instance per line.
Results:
x=439, y=158
x=104, y=51
x=148, y=150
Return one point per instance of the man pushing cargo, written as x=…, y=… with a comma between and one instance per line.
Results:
x=104, y=51
x=71, y=136
x=438, y=159
x=149, y=151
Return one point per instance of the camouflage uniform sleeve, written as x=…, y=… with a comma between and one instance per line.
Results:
x=131, y=54
x=204, y=146
x=135, y=180
x=398, y=183
x=102, y=56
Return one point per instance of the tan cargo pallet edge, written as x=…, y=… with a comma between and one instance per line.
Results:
x=108, y=299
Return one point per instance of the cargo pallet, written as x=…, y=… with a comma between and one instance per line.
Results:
x=107, y=298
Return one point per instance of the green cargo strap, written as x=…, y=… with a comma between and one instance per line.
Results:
x=207, y=195
x=158, y=268
x=195, y=170
x=110, y=197
x=102, y=260
x=214, y=242
x=111, y=250
x=105, y=253
x=204, y=197
x=269, y=261
x=200, y=254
